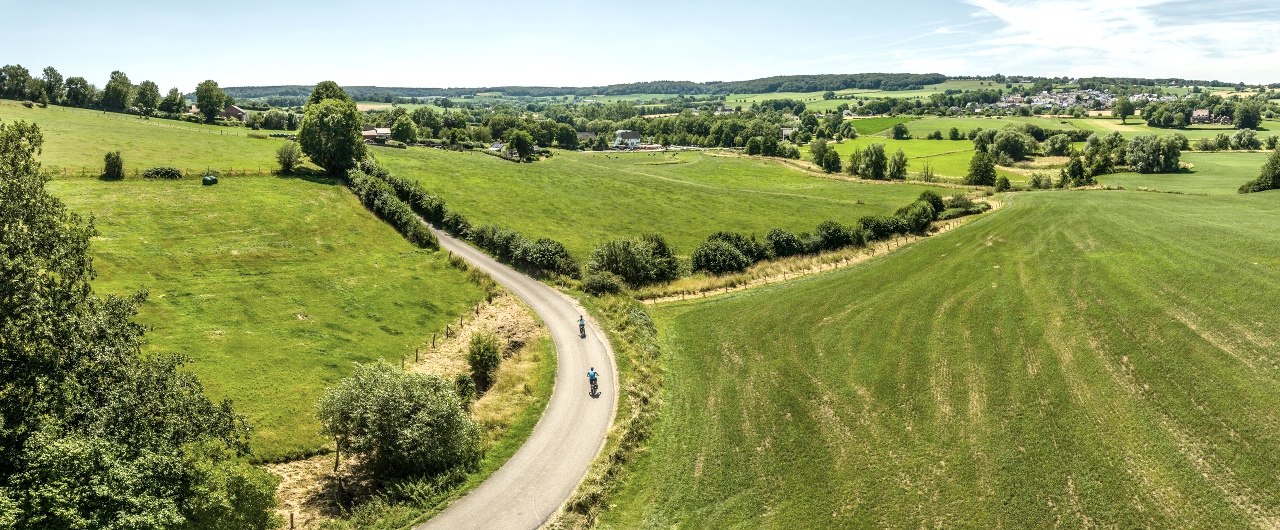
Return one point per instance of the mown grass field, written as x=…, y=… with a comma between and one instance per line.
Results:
x=1137, y=127
x=272, y=286
x=76, y=139
x=583, y=199
x=814, y=101
x=1219, y=173
x=1079, y=359
x=922, y=127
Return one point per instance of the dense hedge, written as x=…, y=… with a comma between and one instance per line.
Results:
x=162, y=173
x=718, y=256
x=380, y=198
x=639, y=261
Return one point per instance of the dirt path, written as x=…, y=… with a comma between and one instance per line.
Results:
x=535, y=483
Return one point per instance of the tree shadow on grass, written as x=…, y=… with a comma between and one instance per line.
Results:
x=310, y=175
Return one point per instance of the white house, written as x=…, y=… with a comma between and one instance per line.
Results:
x=627, y=138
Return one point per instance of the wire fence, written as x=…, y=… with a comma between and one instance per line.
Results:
x=93, y=172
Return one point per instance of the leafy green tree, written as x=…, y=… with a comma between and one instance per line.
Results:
x=112, y=166
x=1123, y=108
x=54, y=87
x=399, y=423
x=783, y=243
x=1012, y=143
x=897, y=166
x=874, y=162
x=118, y=93
x=1248, y=115
x=210, y=99
x=404, y=130
x=1002, y=183
x=982, y=170
x=14, y=80
x=641, y=261
x=521, y=142
x=97, y=435
x=289, y=156
x=900, y=131
x=954, y=134
x=148, y=97
x=566, y=136
x=718, y=257
x=1057, y=145
x=327, y=90
x=1245, y=139
x=174, y=102
x=1075, y=174
x=330, y=135
x=80, y=93
x=427, y=120
x=755, y=146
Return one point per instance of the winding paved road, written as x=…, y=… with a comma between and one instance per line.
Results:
x=532, y=486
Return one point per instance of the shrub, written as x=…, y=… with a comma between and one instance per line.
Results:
x=1057, y=145
x=750, y=247
x=1002, y=183
x=958, y=201
x=400, y=423
x=935, y=135
x=289, y=156
x=900, y=131
x=397, y=144
x=1039, y=181
x=916, y=217
x=933, y=199
x=878, y=227
x=484, y=356
x=171, y=173
x=1268, y=179
x=1272, y=142
x=466, y=388
x=784, y=243
x=380, y=198
x=550, y=256
x=113, y=166
x=982, y=170
x=503, y=243
x=897, y=169
x=1152, y=154
x=832, y=235
x=602, y=283
x=640, y=261
x=718, y=256
x=1245, y=139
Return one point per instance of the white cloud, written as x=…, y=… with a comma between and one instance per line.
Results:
x=1128, y=38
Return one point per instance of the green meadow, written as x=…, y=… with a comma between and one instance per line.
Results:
x=1078, y=359
x=272, y=286
x=1219, y=173
x=583, y=199
x=77, y=139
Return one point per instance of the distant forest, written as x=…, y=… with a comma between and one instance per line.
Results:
x=785, y=83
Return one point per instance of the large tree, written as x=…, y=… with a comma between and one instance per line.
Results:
x=118, y=93
x=54, y=87
x=327, y=90
x=95, y=434
x=148, y=98
x=330, y=135
x=403, y=130
x=1123, y=108
x=1248, y=115
x=210, y=99
x=982, y=170
x=14, y=81
x=80, y=93
x=174, y=102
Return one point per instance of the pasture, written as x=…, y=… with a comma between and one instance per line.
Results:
x=76, y=139
x=1219, y=173
x=814, y=101
x=1095, y=358
x=272, y=286
x=583, y=199
x=1137, y=127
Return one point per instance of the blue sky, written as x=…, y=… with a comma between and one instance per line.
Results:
x=576, y=43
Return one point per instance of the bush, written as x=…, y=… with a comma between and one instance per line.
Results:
x=958, y=200
x=982, y=170
x=640, y=261
x=717, y=256
x=900, y=131
x=484, y=356
x=935, y=135
x=602, y=283
x=1002, y=183
x=1268, y=179
x=832, y=236
x=783, y=243
x=916, y=217
x=750, y=247
x=289, y=156
x=550, y=256
x=1039, y=181
x=399, y=423
x=397, y=144
x=1057, y=145
x=879, y=227
x=933, y=199
x=503, y=243
x=466, y=388
x=171, y=173
x=380, y=198
x=113, y=166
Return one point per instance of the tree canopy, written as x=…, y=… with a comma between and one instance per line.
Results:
x=210, y=99
x=330, y=135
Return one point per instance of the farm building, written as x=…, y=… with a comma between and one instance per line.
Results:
x=376, y=134
x=233, y=112
x=787, y=132
x=627, y=138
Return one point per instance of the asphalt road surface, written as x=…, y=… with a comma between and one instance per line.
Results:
x=533, y=485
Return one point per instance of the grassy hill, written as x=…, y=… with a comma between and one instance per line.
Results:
x=1078, y=359
x=76, y=140
x=582, y=199
x=273, y=287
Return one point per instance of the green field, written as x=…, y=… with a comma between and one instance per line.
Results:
x=1137, y=127
x=1078, y=359
x=1211, y=173
x=922, y=127
x=76, y=139
x=582, y=199
x=814, y=101
x=273, y=287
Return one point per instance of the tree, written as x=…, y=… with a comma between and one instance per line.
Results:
x=118, y=93
x=1012, y=143
x=954, y=134
x=113, y=166
x=148, y=98
x=1075, y=174
x=97, y=435
x=399, y=423
x=521, y=142
x=330, y=135
x=289, y=156
x=900, y=131
x=14, y=80
x=1268, y=178
x=718, y=257
x=874, y=162
x=1123, y=108
x=210, y=99
x=1245, y=139
x=982, y=170
x=783, y=243
x=327, y=90
x=1057, y=145
x=898, y=166
x=403, y=130
x=1248, y=115
x=484, y=356
x=174, y=102
x=54, y=87
x=80, y=93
